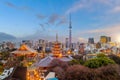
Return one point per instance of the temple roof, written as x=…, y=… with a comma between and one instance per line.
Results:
x=24, y=49
x=45, y=62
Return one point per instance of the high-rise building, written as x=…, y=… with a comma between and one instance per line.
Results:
x=74, y=45
x=28, y=42
x=91, y=40
x=66, y=43
x=42, y=44
x=105, y=39
x=108, y=39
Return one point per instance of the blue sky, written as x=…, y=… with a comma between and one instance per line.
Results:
x=35, y=19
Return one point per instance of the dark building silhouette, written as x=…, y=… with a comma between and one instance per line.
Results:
x=91, y=40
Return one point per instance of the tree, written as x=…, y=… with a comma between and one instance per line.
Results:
x=59, y=63
x=101, y=55
x=60, y=73
x=5, y=54
x=115, y=58
x=98, y=62
x=78, y=72
x=109, y=72
x=74, y=61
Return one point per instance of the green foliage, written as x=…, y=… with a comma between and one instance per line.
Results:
x=101, y=55
x=75, y=61
x=98, y=62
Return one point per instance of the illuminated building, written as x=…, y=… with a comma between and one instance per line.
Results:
x=56, y=50
x=98, y=45
x=105, y=39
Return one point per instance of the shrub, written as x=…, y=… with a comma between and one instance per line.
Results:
x=98, y=62
x=73, y=62
x=101, y=55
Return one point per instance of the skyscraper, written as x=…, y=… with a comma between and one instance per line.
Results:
x=105, y=39
x=108, y=39
x=91, y=40
x=66, y=43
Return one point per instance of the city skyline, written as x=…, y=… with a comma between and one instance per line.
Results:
x=44, y=18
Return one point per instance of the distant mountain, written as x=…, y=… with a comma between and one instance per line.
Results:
x=6, y=37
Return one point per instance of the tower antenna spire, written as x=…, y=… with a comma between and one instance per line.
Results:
x=70, y=31
x=56, y=37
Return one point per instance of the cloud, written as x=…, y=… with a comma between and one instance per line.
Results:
x=94, y=5
x=42, y=26
x=11, y=5
x=75, y=8
x=81, y=39
x=63, y=20
x=53, y=18
x=40, y=16
x=116, y=9
x=25, y=8
x=111, y=29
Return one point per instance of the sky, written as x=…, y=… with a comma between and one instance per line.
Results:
x=42, y=19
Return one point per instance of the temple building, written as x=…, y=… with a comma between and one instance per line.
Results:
x=25, y=50
x=56, y=50
x=25, y=54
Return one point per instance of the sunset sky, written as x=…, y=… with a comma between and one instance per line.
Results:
x=36, y=19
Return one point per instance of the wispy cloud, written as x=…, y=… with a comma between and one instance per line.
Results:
x=108, y=30
x=40, y=16
x=63, y=20
x=116, y=9
x=25, y=8
x=53, y=18
x=42, y=26
x=11, y=5
x=75, y=8
x=93, y=4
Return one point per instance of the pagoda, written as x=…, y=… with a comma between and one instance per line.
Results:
x=56, y=50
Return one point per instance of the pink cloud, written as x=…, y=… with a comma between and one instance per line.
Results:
x=116, y=9
x=108, y=30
